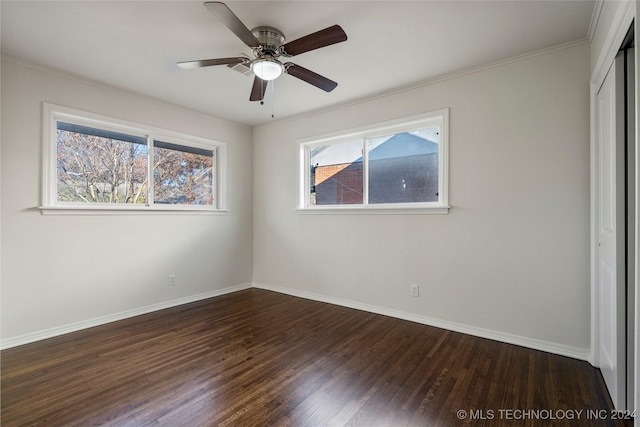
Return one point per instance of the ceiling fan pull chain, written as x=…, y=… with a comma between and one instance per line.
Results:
x=273, y=98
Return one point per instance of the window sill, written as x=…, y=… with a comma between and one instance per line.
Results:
x=128, y=210
x=368, y=210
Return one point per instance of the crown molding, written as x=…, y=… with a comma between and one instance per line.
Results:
x=595, y=18
x=432, y=81
x=105, y=86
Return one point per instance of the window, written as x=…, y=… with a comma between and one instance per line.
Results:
x=391, y=166
x=182, y=175
x=98, y=163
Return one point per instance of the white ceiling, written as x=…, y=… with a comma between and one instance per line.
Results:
x=135, y=45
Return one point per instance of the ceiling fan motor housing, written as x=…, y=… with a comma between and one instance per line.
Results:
x=270, y=38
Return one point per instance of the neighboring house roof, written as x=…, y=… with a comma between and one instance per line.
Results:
x=400, y=145
x=403, y=145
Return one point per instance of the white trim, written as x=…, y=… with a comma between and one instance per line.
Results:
x=622, y=20
x=636, y=355
x=429, y=82
x=366, y=148
x=129, y=210
x=595, y=18
x=372, y=130
x=594, y=353
x=624, y=16
x=439, y=118
x=51, y=113
x=116, y=89
x=97, y=321
x=443, y=155
x=546, y=346
x=374, y=210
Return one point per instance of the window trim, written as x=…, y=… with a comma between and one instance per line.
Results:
x=406, y=124
x=50, y=205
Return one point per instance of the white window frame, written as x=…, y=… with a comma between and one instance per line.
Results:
x=50, y=205
x=434, y=118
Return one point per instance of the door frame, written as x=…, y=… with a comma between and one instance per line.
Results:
x=612, y=231
x=609, y=47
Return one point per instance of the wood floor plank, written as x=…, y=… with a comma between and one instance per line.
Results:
x=259, y=358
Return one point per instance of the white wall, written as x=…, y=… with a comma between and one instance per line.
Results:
x=59, y=271
x=512, y=256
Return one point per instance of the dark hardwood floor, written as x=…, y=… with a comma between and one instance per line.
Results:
x=258, y=358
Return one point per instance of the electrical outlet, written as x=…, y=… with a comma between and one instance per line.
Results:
x=172, y=280
x=415, y=290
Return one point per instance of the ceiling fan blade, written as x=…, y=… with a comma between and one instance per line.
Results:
x=310, y=77
x=209, y=62
x=232, y=22
x=258, y=90
x=322, y=38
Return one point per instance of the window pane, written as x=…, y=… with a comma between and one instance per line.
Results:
x=336, y=174
x=182, y=175
x=403, y=168
x=100, y=166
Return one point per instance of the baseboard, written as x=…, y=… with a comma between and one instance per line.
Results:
x=550, y=347
x=97, y=321
x=535, y=344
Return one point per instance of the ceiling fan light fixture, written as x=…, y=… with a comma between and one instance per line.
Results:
x=267, y=69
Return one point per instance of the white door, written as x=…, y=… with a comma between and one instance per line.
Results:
x=611, y=230
x=631, y=225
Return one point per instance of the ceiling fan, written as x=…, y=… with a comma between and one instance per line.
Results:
x=268, y=44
